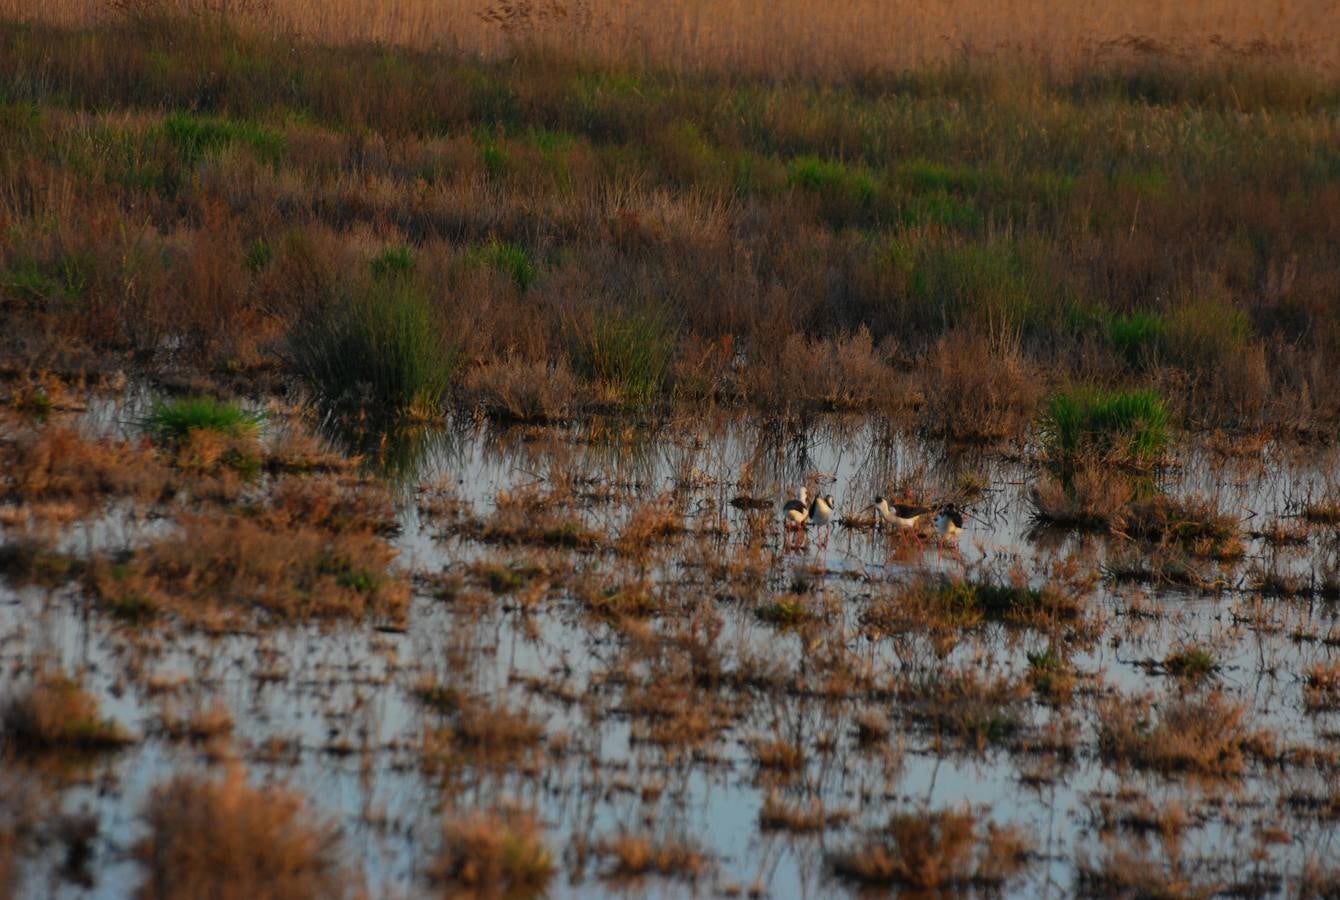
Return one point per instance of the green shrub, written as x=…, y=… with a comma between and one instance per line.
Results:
x=1137, y=336
x=196, y=137
x=1129, y=423
x=396, y=261
x=511, y=259
x=171, y=420
x=377, y=352
x=627, y=350
x=833, y=180
x=1203, y=333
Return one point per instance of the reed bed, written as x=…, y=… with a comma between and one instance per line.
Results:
x=852, y=37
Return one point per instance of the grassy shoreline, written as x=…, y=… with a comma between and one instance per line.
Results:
x=949, y=247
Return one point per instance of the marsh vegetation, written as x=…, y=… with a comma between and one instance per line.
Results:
x=391, y=480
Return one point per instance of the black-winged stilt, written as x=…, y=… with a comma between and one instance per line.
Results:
x=796, y=512
x=903, y=516
x=949, y=525
x=821, y=514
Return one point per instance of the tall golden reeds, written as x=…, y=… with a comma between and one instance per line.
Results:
x=779, y=37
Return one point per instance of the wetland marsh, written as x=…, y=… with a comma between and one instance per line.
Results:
x=572, y=636
x=395, y=429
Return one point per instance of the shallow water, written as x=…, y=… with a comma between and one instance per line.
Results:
x=341, y=697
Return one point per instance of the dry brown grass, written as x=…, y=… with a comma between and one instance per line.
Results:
x=779, y=755
x=1125, y=872
x=532, y=515
x=478, y=732
x=224, y=571
x=59, y=463
x=26, y=805
x=846, y=372
x=972, y=710
x=496, y=854
x=226, y=840
x=935, y=850
x=1206, y=735
x=978, y=389
x=777, y=814
x=1321, y=686
x=786, y=37
x=1093, y=497
x=56, y=713
x=522, y=391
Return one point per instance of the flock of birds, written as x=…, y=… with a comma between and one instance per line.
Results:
x=907, y=519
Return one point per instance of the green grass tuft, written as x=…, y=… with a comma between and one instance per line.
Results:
x=195, y=137
x=628, y=351
x=1139, y=337
x=396, y=261
x=377, y=352
x=1088, y=419
x=174, y=420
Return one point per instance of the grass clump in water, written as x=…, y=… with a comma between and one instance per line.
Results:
x=786, y=612
x=494, y=854
x=1193, y=663
x=629, y=352
x=225, y=838
x=935, y=850
x=56, y=713
x=1129, y=424
x=376, y=352
x=176, y=420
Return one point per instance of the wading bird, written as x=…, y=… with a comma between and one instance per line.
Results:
x=821, y=514
x=795, y=513
x=949, y=524
x=905, y=517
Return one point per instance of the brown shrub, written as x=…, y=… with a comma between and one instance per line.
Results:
x=978, y=389
x=228, y=841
